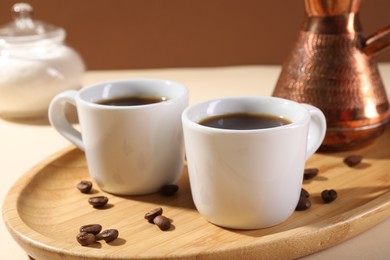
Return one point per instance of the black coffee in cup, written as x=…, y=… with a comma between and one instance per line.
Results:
x=244, y=121
x=131, y=101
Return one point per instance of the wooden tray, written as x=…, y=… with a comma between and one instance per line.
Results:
x=43, y=211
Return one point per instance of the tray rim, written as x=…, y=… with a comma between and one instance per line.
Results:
x=374, y=212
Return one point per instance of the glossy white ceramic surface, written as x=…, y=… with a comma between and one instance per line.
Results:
x=249, y=179
x=130, y=150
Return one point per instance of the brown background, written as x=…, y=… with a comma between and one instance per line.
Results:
x=131, y=34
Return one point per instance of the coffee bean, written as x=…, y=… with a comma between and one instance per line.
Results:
x=98, y=201
x=91, y=228
x=153, y=213
x=108, y=235
x=169, y=189
x=353, y=160
x=303, y=204
x=328, y=195
x=305, y=193
x=85, y=238
x=310, y=173
x=162, y=222
x=84, y=186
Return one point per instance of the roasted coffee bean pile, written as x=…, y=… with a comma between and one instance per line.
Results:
x=155, y=216
x=90, y=233
x=327, y=196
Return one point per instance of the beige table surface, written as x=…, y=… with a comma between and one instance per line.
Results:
x=24, y=144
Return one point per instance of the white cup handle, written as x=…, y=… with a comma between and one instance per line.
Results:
x=58, y=118
x=317, y=129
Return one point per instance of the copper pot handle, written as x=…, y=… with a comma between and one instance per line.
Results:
x=377, y=42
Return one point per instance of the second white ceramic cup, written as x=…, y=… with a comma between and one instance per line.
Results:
x=249, y=179
x=130, y=150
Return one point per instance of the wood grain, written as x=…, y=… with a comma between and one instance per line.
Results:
x=43, y=211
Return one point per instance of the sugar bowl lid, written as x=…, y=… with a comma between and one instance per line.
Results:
x=24, y=29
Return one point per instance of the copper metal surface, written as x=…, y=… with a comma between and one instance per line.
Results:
x=330, y=67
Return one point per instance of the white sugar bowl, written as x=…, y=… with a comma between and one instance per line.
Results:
x=35, y=65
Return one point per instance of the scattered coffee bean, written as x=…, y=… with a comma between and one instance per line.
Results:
x=85, y=238
x=353, y=160
x=91, y=228
x=162, y=222
x=169, y=190
x=84, y=186
x=310, y=173
x=98, y=201
x=153, y=213
x=305, y=193
x=303, y=204
x=108, y=235
x=328, y=195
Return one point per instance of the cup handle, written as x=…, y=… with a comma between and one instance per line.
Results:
x=317, y=129
x=58, y=118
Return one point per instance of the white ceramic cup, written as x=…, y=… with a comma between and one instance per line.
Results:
x=130, y=150
x=249, y=179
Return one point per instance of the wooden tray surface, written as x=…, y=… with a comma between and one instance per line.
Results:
x=43, y=212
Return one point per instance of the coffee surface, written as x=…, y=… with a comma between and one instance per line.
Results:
x=244, y=121
x=131, y=101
